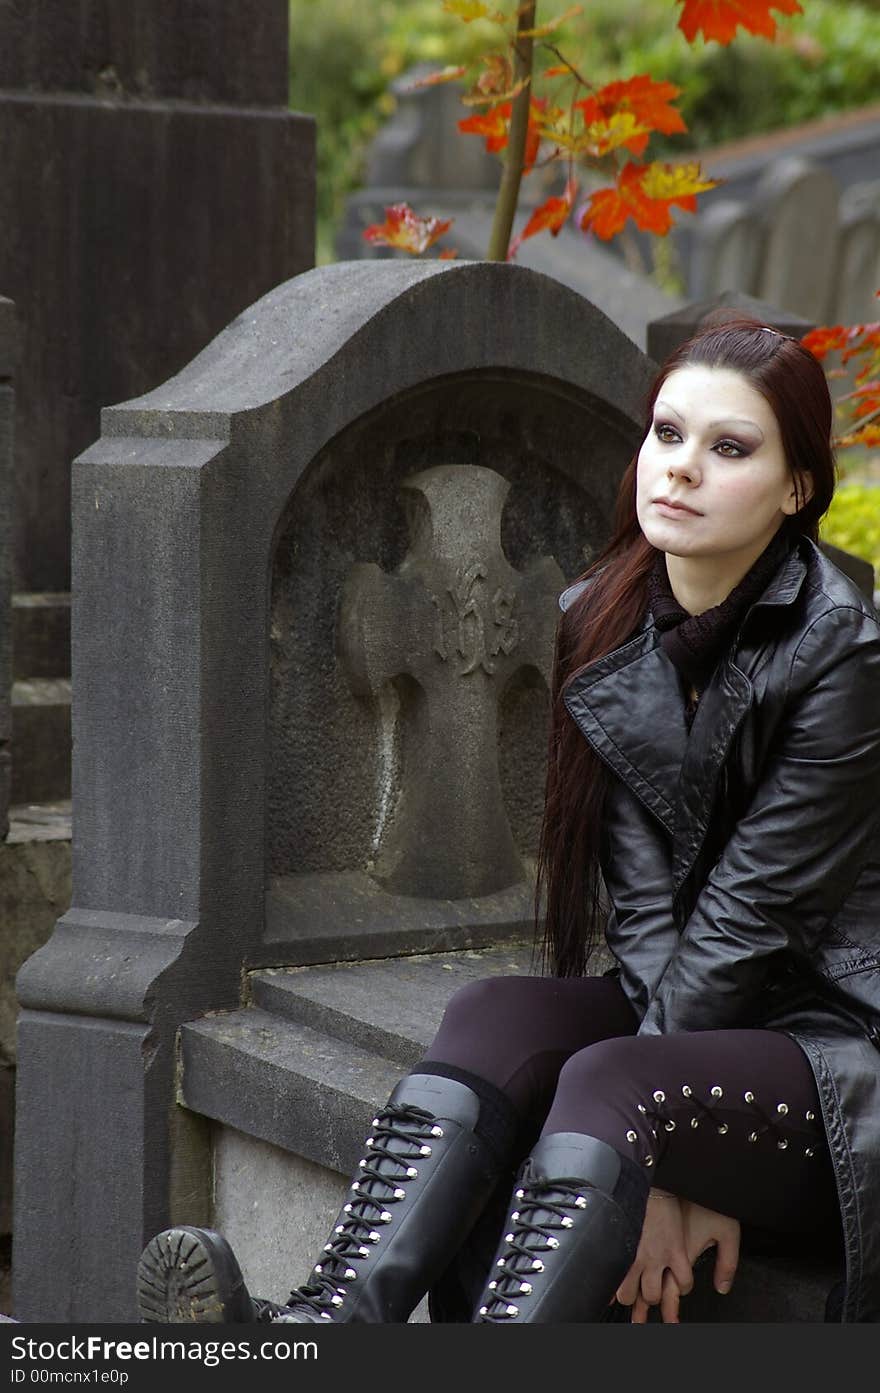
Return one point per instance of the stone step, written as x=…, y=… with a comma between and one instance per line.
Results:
x=392, y=1006
x=40, y=634
x=41, y=744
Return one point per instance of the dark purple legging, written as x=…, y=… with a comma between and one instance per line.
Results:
x=727, y=1118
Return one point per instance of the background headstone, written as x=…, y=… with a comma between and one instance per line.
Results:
x=797, y=204
x=7, y=424
x=154, y=184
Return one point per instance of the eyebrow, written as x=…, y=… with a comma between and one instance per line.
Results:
x=713, y=425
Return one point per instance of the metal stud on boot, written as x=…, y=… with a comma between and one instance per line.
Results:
x=568, y=1243
x=420, y=1187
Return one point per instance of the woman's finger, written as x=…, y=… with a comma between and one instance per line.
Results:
x=669, y=1300
x=639, y=1313
x=727, y=1258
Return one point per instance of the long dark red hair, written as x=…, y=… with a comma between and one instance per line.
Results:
x=569, y=891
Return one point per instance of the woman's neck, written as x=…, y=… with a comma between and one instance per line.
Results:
x=702, y=582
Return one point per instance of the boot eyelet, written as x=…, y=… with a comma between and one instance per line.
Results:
x=659, y=1096
x=492, y=1286
x=695, y=1122
x=581, y=1201
x=552, y=1242
x=373, y=1236
x=520, y=1194
x=411, y=1172
x=515, y=1216
x=567, y=1222
x=716, y=1091
x=436, y=1131
x=508, y=1238
x=748, y=1096
x=525, y=1288
x=782, y=1144
x=350, y=1274
x=336, y=1301
x=363, y=1252
x=399, y=1194
x=723, y=1129
x=669, y=1126
x=424, y=1150
x=385, y=1217
x=537, y=1265
x=782, y=1109
x=512, y=1311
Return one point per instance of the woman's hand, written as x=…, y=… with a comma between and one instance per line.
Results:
x=702, y=1229
x=662, y=1269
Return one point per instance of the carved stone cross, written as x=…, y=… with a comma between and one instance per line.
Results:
x=449, y=629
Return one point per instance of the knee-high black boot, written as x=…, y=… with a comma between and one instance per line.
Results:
x=571, y=1234
x=427, y=1170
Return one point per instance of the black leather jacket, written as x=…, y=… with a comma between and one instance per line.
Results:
x=742, y=860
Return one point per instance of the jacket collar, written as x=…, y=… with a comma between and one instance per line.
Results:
x=630, y=707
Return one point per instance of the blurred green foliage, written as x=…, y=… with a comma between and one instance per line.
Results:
x=853, y=523
x=344, y=55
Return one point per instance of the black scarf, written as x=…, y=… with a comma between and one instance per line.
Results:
x=695, y=642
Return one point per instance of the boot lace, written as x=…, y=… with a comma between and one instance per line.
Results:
x=546, y=1208
x=402, y=1136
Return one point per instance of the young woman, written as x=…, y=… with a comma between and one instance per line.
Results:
x=713, y=800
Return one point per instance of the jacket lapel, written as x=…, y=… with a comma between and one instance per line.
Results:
x=629, y=707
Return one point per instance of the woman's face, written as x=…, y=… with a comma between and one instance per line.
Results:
x=714, y=449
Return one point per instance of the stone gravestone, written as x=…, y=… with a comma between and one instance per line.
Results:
x=407, y=467
x=418, y=157
x=7, y=422
x=726, y=242
x=797, y=204
x=857, y=275
x=145, y=147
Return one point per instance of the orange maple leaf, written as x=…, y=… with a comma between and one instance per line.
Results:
x=494, y=125
x=866, y=398
x=597, y=137
x=549, y=217
x=646, y=100
x=720, y=19
x=645, y=193
x=867, y=435
x=407, y=230
x=825, y=340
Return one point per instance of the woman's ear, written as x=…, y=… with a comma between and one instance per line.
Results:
x=801, y=492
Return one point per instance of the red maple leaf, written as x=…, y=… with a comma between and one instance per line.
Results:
x=405, y=229
x=720, y=19
x=646, y=193
x=494, y=125
x=549, y=217
x=648, y=101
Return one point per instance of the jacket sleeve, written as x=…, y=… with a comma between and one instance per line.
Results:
x=640, y=932
x=799, y=848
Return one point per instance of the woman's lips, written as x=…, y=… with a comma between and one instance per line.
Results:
x=675, y=510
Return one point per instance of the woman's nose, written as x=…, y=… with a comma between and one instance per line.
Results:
x=684, y=466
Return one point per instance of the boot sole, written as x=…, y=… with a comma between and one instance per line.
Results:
x=186, y=1276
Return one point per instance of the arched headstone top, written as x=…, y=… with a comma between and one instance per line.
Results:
x=390, y=325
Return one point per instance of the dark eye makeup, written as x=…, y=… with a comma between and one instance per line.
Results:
x=727, y=447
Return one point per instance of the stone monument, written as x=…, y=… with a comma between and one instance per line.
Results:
x=345, y=521
x=147, y=151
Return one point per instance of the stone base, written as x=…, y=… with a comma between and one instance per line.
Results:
x=34, y=892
